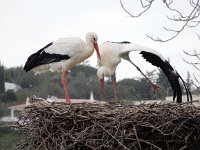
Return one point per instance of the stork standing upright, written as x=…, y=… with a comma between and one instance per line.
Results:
x=61, y=55
x=112, y=53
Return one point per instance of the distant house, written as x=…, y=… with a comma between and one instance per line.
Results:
x=11, y=86
x=35, y=100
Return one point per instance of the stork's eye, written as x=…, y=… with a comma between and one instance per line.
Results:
x=94, y=39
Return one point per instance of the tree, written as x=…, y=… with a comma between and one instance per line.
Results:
x=126, y=89
x=2, y=80
x=86, y=69
x=132, y=89
x=189, y=20
x=80, y=82
x=8, y=96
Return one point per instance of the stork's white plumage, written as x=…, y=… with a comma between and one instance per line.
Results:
x=112, y=53
x=61, y=55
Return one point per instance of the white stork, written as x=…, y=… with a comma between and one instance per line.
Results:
x=61, y=55
x=112, y=53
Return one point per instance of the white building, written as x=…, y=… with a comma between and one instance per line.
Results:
x=11, y=86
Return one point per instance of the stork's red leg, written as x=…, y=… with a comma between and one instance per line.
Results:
x=64, y=83
x=155, y=87
x=114, y=87
x=102, y=88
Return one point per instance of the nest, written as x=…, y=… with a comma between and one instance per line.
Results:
x=96, y=126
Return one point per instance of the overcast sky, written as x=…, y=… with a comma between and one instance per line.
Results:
x=28, y=25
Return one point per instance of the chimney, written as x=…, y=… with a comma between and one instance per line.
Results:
x=91, y=95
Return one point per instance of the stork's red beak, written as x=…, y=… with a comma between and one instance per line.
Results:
x=97, y=50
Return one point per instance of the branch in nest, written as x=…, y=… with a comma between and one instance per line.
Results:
x=92, y=126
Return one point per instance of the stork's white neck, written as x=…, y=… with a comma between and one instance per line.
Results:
x=89, y=47
x=88, y=50
x=89, y=43
x=91, y=37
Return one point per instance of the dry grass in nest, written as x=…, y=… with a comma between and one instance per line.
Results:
x=94, y=126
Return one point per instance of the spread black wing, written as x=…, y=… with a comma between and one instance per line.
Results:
x=170, y=73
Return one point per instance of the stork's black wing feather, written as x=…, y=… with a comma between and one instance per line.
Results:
x=170, y=73
x=41, y=57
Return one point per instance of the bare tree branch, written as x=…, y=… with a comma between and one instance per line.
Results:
x=191, y=20
x=198, y=36
x=146, y=8
x=196, y=79
x=196, y=54
x=195, y=64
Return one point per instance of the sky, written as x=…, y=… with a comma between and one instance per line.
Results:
x=28, y=25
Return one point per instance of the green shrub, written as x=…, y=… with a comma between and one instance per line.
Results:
x=8, y=96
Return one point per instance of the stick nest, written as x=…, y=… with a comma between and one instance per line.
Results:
x=59, y=126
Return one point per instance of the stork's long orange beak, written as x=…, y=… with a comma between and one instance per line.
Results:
x=97, y=50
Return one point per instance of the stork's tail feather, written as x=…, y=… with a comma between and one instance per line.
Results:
x=158, y=60
x=33, y=59
x=177, y=94
x=177, y=89
x=187, y=90
x=30, y=63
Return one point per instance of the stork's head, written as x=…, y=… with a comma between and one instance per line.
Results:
x=102, y=72
x=93, y=38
